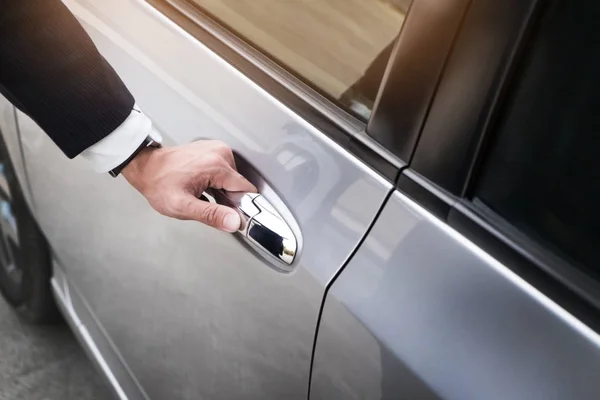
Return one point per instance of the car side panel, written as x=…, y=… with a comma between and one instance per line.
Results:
x=422, y=313
x=190, y=311
x=93, y=339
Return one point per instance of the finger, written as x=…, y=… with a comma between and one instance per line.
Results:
x=227, y=154
x=220, y=217
x=224, y=152
x=232, y=181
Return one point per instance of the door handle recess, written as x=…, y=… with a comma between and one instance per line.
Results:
x=262, y=226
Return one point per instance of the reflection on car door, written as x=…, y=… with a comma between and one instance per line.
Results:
x=479, y=279
x=190, y=311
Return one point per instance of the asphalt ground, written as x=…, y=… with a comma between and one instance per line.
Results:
x=44, y=363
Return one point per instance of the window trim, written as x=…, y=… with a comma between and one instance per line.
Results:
x=404, y=98
x=333, y=121
x=470, y=89
x=566, y=285
x=544, y=259
x=440, y=180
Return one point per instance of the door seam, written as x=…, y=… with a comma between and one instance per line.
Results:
x=334, y=278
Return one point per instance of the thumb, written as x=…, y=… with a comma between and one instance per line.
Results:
x=220, y=217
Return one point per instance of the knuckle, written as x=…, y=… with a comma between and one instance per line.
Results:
x=210, y=215
x=226, y=151
x=222, y=149
x=219, y=144
x=214, y=159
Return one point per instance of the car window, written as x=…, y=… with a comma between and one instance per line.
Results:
x=339, y=47
x=542, y=172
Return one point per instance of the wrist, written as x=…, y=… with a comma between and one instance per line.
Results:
x=133, y=172
x=146, y=143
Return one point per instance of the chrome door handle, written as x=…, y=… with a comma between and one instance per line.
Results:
x=262, y=226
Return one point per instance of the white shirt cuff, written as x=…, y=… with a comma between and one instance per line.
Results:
x=121, y=143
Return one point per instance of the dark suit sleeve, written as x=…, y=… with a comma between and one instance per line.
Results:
x=51, y=70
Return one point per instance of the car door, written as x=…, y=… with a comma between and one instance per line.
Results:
x=479, y=279
x=176, y=310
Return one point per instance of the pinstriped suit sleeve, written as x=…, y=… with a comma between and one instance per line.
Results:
x=51, y=70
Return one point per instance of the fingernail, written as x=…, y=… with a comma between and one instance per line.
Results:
x=232, y=222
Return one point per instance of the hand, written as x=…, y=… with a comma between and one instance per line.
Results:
x=172, y=179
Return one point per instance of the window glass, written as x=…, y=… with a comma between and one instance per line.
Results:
x=339, y=47
x=543, y=170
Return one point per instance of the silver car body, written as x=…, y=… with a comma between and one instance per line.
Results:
x=396, y=302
